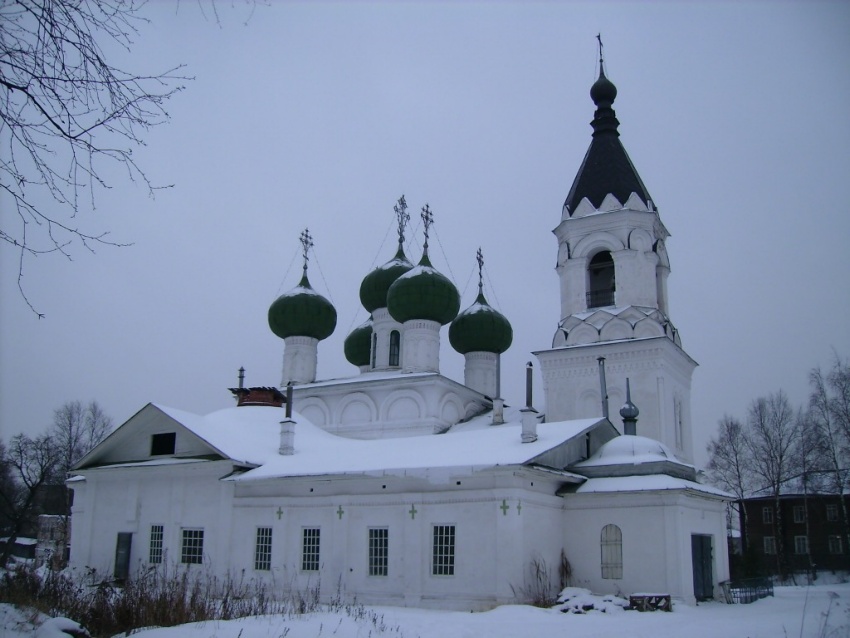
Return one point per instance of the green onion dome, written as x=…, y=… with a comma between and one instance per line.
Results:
x=302, y=312
x=481, y=328
x=373, y=290
x=423, y=293
x=358, y=344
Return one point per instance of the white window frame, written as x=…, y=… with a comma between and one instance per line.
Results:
x=801, y=545
x=836, y=546
x=379, y=546
x=311, y=549
x=832, y=512
x=799, y=513
x=769, y=544
x=444, y=545
x=192, y=545
x=156, y=544
x=263, y=549
x=611, y=548
x=767, y=515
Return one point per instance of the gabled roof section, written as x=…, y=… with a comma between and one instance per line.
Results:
x=606, y=168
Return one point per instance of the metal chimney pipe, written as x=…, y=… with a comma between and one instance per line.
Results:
x=603, y=386
x=241, y=378
x=289, y=400
x=528, y=389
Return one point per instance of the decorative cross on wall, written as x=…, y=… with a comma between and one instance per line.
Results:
x=413, y=512
x=279, y=513
x=340, y=512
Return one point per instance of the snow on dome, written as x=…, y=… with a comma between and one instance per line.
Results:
x=480, y=328
x=374, y=288
x=630, y=450
x=302, y=312
x=423, y=293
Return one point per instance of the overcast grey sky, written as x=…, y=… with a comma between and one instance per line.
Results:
x=321, y=115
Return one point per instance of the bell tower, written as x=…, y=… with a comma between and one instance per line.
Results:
x=613, y=268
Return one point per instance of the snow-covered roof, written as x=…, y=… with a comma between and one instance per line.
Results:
x=630, y=450
x=318, y=452
x=251, y=434
x=247, y=434
x=651, y=482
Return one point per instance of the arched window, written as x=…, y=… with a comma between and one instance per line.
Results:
x=612, y=552
x=395, y=348
x=600, y=280
x=374, y=348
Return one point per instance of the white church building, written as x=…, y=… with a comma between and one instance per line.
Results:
x=400, y=486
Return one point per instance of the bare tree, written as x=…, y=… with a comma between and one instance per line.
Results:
x=828, y=417
x=30, y=463
x=772, y=443
x=76, y=430
x=66, y=113
x=729, y=464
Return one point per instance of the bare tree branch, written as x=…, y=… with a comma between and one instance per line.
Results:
x=66, y=115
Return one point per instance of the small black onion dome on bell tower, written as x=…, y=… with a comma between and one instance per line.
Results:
x=603, y=92
x=358, y=344
x=629, y=412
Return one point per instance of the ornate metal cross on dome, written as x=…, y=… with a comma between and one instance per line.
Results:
x=427, y=220
x=306, y=244
x=480, y=258
x=403, y=217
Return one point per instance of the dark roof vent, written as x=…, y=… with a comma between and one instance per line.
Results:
x=259, y=396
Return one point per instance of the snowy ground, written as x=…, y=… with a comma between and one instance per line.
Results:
x=821, y=611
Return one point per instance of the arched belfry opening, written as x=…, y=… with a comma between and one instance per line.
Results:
x=601, y=284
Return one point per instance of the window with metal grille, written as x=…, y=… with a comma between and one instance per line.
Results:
x=799, y=514
x=444, y=550
x=192, y=547
x=835, y=544
x=310, y=549
x=263, y=549
x=395, y=348
x=769, y=543
x=611, y=541
x=801, y=544
x=832, y=512
x=379, y=542
x=155, y=556
x=766, y=514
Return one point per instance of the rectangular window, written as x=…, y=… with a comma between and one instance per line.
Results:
x=835, y=544
x=163, y=443
x=192, y=547
x=801, y=544
x=444, y=550
x=799, y=514
x=766, y=514
x=379, y=542
x=155, y=557
x=263, y=549
x=832, y=512
x=770, y=545
x=310, y=549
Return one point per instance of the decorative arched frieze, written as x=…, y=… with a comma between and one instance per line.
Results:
x=315, y=410
x=403, y=404
x=640, y=240
x=615, y=330
x=356, y=408
x=582, y=334
x=451, y=408
x=648, y=327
